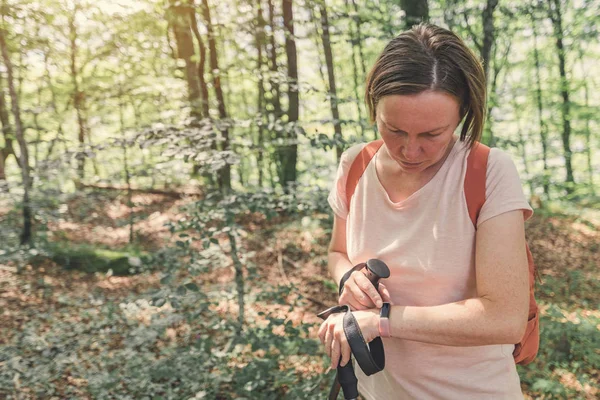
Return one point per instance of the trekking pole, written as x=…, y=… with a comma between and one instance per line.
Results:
x=372, y=358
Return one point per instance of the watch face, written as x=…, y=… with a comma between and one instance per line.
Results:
x=385, y=310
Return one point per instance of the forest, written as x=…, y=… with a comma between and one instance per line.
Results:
x=164, y=173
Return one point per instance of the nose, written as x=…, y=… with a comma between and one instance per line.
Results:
x=411, y=150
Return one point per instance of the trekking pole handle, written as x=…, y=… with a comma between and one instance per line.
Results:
x=346, y=376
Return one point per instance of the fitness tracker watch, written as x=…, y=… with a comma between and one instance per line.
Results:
x=384, y=320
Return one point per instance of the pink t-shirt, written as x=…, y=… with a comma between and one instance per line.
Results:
x=428, y=242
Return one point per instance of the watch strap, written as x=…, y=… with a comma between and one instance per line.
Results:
x=384, y=320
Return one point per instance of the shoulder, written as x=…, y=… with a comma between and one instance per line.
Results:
x=501, y=166
x=350, y=154
x=500, y=159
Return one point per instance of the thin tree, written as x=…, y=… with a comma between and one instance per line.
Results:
x=332, y=90
x=225, y=172
x=178, y=16
x=361, y=56
x=7, y=133
x=355, y=78
x=289, y=152
x=540, y=106
x=274, y=93
x=26, y=235
x=259, y=38
x=78, y=93
x=555, y=15
x=201, y=62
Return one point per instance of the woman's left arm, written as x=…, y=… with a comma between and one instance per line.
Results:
x=498, y=315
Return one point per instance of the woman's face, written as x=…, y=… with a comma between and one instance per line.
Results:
x=417, y=129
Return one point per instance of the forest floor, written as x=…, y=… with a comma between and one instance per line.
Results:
x=565, y=249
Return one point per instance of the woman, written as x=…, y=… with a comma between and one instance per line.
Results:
x=459, y=295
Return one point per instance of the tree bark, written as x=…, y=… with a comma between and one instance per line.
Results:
x=7, y=132
x=201, y=63
x=333, y=99
x=78, y=95
x=289, y=153
x=361, y=56
x=489, y=34
x=225, y=172
x=555, y=14
x=540, y=109
x=355, y=78
x=489, y=38
x=588, y=137
x=274, y=81
x=26, y=235
x=259, y=37
x=126, y=160
x=179, y=19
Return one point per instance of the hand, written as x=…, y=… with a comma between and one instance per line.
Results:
x=331, y=334
x=360, y=294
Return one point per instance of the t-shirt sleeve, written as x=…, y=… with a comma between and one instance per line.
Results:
x=504, y=191
x=337, y=194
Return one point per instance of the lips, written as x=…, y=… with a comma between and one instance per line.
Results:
x=410, y=165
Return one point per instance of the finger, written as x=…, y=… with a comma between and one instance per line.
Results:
x=360, y=297
x=328, y=340
x=385, y=294
x=321, y=332
x=335, y=351
x=365, y=285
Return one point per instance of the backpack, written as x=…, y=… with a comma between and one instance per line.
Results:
x=474, y=186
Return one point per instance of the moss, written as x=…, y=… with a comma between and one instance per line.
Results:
x=90, y=259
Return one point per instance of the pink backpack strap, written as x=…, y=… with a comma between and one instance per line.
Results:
x=359, y=165
x=475, y=180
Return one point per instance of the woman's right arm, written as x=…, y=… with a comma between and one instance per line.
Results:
x=359, y=293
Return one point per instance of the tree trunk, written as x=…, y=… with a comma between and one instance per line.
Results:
x=416, y=11
x=588, y=136
x=201, y=64
x=540, y=108
x=489, y=38
x=522, y=144
x=126, y=161
x=178, y=16
x=333, y=99
x=274, y=82
x=555, y=15
x=53, y=103
x=357, y=96
x=275, y=93
x=26, y=235
x=259, y=37
x=225, y=172
x=497, y=68
x=78, y=95
x=489, y=34
x=289, y=153
x=7, y=132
